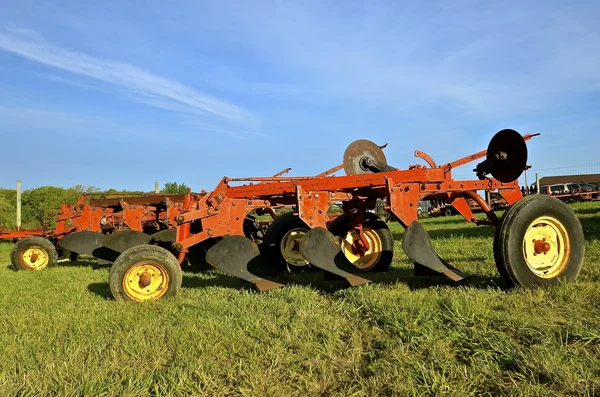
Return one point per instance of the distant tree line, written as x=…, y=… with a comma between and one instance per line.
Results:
x=40, y=205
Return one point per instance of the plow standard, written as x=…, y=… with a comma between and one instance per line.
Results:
x=538, y=241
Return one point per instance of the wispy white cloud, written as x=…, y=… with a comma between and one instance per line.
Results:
x=64, y=122
x=67, y=81
x=210, y=129
x=141, y=83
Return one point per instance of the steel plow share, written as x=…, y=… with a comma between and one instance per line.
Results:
x=320, y=248
x=88, y=243
x=418, y=247
x=164, y=236
x=240, y=257
x=122, y=240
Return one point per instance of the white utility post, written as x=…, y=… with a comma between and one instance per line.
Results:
x=18, y=205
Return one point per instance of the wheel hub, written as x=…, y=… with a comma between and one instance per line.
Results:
x=354, y=249
x=541, y=246
x=35, y=258
x=546, y=247
x=290, y=247
x=146, y=281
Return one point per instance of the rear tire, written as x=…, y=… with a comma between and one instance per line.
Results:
x=145, y=273
x=33, y=253
x=539, y=241
x=375, y=230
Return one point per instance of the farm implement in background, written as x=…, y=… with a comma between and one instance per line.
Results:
x=538, y=240
x=105, y=227
x=101, y=228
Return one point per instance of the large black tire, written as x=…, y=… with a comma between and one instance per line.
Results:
x=508, y=214
x=340, y=228
x=144, y=264
x=279, y=230
x=33, y=253
x=539, y=241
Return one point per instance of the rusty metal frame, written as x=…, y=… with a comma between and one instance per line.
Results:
x=221, y=212
x=119, y=213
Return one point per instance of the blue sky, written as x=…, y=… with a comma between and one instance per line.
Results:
x=122, y=94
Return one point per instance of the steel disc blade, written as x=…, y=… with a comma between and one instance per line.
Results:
x=84, y=242
x=319, y=247
x=359, y=150
x=123, y=240
x=240, y=257
x=511, y=143
x=166, y=235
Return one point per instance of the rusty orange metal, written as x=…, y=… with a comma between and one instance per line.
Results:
x=222, y=211
x=98, y=215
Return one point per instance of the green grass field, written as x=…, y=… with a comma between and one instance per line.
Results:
x=62, y=334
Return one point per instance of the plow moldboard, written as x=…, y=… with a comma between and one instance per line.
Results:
x=122, y=240
x=319, y=247
x=418, y=247
x=240, y=257
x=88, y=243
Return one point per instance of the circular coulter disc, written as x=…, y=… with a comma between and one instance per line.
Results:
x=511, y=143
x=357, y=152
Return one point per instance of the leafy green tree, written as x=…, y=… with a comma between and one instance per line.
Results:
x=174, y=188
x=41, y=205
x=86, y=189
x=8, y=212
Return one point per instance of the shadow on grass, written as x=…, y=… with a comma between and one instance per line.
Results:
x=467, y=232
x=80, y=263
x=100, y=289
x=325, y=282
x=217, y=280
x=588, y=211
x=330, y=283
x=591, y=227
x=84, y=263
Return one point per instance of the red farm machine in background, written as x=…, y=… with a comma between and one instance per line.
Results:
x=538, y=241
x=94, y=227
x=104, y=227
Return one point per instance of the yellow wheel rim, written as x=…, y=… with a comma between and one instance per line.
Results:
x=546, y=247
x=290, y=247
x=146, y=281
x=35, y=258
x=363, y=261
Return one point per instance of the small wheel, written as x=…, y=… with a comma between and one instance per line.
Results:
x=282, y=242
x=145, y=273
x=448, y=211
x=33, y=253
x=381, y=241
x=539, y=241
